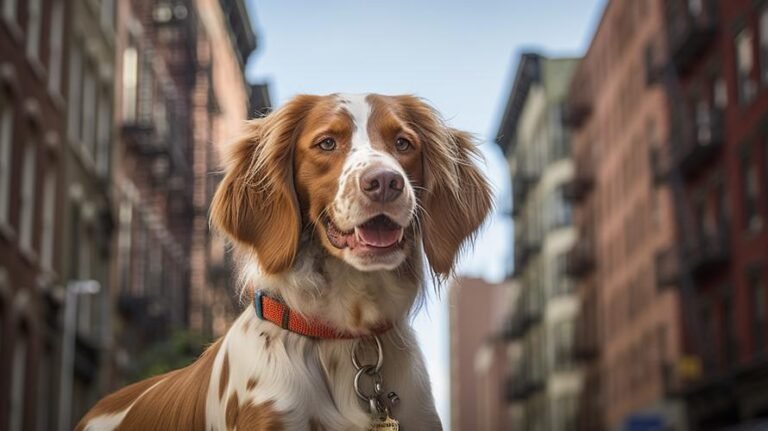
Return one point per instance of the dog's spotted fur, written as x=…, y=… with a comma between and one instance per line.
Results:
x=276, y=201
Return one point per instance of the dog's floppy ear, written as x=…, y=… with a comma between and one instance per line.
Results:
x=255, y=204
x=457, y=197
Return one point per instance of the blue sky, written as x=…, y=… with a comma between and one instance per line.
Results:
x=459, y=55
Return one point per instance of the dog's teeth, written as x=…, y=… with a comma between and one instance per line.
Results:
x=357, y=235
x=402, y=233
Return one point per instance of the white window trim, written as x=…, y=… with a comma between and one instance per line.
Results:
x=88, y=132
x=56, y=48
x=10, y=11
x=34, y=28
x=18, y=383
x=6, y=151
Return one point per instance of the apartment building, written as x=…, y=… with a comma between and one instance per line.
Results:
x=546, y=381
x=56, y=210
x=220, y=106
x=88, y=216
x=155, y=50
x=34, y=149
x=182, y=94
x=716, y=74
x=618, y=115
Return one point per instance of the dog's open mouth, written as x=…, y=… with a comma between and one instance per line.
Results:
x=380, y=232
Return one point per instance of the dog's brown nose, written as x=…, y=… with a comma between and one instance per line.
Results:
x=382, y=185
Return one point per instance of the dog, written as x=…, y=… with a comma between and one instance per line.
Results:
x=330, y=203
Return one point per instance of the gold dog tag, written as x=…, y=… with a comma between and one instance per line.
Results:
x=386, y=424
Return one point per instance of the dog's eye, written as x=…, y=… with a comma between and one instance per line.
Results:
x=402, y=144
x=327, y=144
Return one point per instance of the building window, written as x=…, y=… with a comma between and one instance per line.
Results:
x=750, y=192
x=6, y=142
x=758, y=298
x=719, y=93
x=764, y=45
x=56, y=48
x=695, y=7
x=27, y=204
x=744, y=65
x=34, y=18
x=104, y=133
x=9, y=10
x=107, y=13
x=88, y=132
x=49, y=218
x=75, y=82
x=18, y=382
x=130, y=81
x=727, y=327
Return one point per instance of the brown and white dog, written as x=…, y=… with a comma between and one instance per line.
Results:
x=330, y=201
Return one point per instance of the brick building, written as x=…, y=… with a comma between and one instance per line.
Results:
x=55, y=215
x=181, y=94
x=479, y=354
x=618, y=115
x=717, y=76
x=220, y=106
x=156, y=59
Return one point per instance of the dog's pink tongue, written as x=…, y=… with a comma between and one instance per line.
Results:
x=377, y=236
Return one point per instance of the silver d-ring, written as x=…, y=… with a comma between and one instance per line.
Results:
x=364, y=369
x=379, y=353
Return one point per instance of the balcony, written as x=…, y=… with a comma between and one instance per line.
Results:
x=586, y=345
x=577, y=113
x=667, y=268
x=695, y=145
x=581, y=184
x=691, y=26
x=521, y=185
x=534, y=308
x=709, y=252
x=580, y=260
x=661, y=163
x=525, y=247
x=520, y=387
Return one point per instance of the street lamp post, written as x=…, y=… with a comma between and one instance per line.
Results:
x=75, y=288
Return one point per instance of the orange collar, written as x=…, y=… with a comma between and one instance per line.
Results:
x=275, y=311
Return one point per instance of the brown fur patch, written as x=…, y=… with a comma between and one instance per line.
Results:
x=176, y=402
x=232, y=411
x=457, y=197
x=259, y=417
x=224, y=377
x=119, y=400
x=255, y=203
x=252, y=382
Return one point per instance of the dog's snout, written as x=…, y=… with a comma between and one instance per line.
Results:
x=382, y=185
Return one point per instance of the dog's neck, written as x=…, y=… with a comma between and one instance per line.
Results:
x=321, y=286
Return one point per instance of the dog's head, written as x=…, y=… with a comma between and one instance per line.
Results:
x=367, y=176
